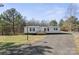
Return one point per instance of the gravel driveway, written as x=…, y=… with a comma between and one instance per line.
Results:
x=58, y=44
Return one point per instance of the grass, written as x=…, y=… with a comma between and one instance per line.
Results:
x=76, y=39
x=21, y=39
x=15, y=45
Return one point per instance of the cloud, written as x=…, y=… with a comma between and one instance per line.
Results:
x=50, y=11
x=56, y=10
x=57, y=13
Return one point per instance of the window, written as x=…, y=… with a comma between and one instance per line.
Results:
x=30, y=29
x=44, y=29
x=48, y=29
x=33, y=29
x=55, y=28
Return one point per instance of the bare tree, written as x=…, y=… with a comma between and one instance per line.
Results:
x=71, y=13
x=71, y=10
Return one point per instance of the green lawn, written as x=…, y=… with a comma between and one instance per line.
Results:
x=21, y=39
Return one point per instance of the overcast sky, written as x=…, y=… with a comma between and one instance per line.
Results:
x=40, y=11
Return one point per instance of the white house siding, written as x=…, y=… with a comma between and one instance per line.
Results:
x=53, y=29
x=43, y=29
x=36, y=29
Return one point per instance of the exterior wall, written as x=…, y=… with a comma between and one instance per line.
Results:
x=42, y=29
x=45, y=29
x=28, y=28
x=53, y=29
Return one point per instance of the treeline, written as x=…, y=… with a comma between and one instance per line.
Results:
x=12, y=22
x=70, y=24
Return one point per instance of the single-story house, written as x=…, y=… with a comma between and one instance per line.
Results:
x=41, y=29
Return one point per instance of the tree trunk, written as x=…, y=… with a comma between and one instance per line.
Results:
x=13, y=26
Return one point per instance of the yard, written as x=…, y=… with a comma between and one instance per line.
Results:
x=55, y=43
x=21, y=39
x=13, y=44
